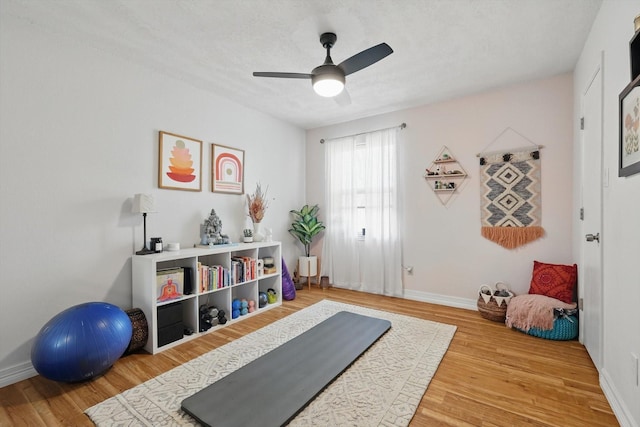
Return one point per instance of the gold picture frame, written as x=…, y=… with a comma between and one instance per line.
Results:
x=179, y=162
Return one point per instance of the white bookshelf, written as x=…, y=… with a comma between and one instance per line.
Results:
x=144, y=275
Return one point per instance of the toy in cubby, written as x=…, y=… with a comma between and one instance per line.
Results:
x=262, y=299
x=222, y=317
x=244, y=304
x=252, y=306
x=236, y=306
x=211, y=316
x=272, y=297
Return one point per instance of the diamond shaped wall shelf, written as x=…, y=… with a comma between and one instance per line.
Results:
x=445, y=175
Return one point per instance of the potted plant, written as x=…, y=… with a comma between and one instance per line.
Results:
x=305, y=227
x=248, y=235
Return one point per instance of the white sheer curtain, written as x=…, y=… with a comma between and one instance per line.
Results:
x=362, y=172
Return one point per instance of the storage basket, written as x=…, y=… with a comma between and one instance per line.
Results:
x=140, y=330
x=564, y=328
x=493, y=302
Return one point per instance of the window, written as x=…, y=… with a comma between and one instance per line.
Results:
x=362, y=200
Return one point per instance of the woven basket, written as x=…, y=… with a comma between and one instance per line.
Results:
x=564, y=328
x=140, y=330
x=491, y=305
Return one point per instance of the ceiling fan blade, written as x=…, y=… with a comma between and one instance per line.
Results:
x=343, y=98
x=283, y=75
x=365, y=58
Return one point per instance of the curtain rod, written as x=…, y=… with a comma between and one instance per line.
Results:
x=401, y=126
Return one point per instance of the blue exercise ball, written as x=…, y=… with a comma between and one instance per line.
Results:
x=81, y=342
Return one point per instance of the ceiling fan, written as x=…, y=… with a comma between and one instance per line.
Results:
x=328, y=79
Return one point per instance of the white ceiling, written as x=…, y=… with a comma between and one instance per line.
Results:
x=442, y=48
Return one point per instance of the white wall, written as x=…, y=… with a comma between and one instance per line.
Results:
x=444, y=245
x=78, y=138
x=611, y=32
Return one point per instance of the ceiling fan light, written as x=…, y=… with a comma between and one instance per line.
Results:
x=328, y=85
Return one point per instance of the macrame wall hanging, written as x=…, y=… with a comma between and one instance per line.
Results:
x=510, y=194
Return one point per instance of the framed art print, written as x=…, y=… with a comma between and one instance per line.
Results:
x=629, y=122
x=227, y=169
x=179, y=162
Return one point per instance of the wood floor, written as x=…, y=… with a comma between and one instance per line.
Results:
x=490, y=376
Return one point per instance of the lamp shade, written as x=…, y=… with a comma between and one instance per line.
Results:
x=327, y=80
x=143, y=203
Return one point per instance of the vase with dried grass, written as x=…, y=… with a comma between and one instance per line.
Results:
x=257, y=204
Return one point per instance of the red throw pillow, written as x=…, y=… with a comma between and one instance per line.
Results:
x=554, y=280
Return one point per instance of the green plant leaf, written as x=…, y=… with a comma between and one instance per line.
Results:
x=314, y=210
x=306, y=225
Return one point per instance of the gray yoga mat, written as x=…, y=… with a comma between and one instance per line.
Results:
x=274, y=388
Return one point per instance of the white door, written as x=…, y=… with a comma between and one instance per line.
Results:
x=590, y=273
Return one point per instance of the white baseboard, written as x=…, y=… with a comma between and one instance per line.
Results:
x=466, y=303
x=16, y=373
x=620, y=410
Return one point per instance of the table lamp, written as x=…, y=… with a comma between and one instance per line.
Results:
x=144, y=204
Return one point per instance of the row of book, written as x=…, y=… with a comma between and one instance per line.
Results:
x=243, y=268
x=214, y=277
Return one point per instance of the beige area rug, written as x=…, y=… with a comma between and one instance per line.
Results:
x=382, y=388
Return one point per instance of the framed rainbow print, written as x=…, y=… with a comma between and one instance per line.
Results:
x=227, y=169
x=179, y=162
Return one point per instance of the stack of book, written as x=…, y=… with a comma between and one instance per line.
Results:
x=213, y=277
x=243, y=269
x=269, y=266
